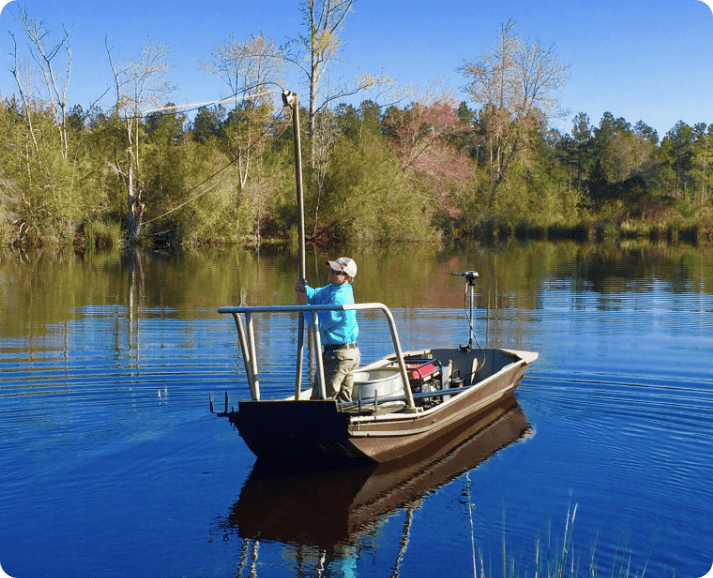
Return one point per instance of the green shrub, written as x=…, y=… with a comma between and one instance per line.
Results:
x=605, y=230
x=102, y=235
x=630, y=229
x=495, y=228
x=655, y=233
x=673, y=231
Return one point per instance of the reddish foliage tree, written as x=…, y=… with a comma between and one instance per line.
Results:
x=424, y=139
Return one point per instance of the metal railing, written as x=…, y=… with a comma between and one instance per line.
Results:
x=246, y=334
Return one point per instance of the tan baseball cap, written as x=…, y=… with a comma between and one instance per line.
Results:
x=344, y=264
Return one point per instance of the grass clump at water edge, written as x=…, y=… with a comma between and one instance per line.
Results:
x=102, y=235
x=553, y=560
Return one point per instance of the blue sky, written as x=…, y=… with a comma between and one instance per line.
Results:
x=640, y=60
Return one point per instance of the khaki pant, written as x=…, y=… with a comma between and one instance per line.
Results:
x=339, y=368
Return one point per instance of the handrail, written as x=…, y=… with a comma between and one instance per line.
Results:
x=247, y=342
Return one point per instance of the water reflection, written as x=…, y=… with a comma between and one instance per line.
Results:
x=618, y=269
x=37, y=289
x=332, y=512
x=622, y=400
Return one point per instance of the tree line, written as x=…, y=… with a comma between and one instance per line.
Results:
x=426, y=168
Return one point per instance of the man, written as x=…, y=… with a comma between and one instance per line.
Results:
x=338, y=330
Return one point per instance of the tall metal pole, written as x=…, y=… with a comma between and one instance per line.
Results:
x=290, y=99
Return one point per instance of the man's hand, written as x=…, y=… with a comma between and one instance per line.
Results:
x=300, y=294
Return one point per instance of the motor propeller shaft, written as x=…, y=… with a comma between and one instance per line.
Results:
x=470, y=276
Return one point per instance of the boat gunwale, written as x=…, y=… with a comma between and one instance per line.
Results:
x=434, y=425
x=458, y=395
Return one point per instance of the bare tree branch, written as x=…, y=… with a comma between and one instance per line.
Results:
x=45, y=56
x=138, y=82
x=515, y=83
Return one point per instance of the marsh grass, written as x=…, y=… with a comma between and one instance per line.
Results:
x=556, y=557
x=102, y=235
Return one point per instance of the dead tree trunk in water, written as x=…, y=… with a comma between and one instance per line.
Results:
x=138, y=83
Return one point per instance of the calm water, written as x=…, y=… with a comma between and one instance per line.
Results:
x=112, y=465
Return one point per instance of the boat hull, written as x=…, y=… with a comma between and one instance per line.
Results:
x=282, y=430
x=288, y=430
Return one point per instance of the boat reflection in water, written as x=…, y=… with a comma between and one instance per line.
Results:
x=330, y=512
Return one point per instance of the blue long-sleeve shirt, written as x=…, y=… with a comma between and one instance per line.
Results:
x=335, y=327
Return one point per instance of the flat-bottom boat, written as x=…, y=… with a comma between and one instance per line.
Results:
x=402, y=402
